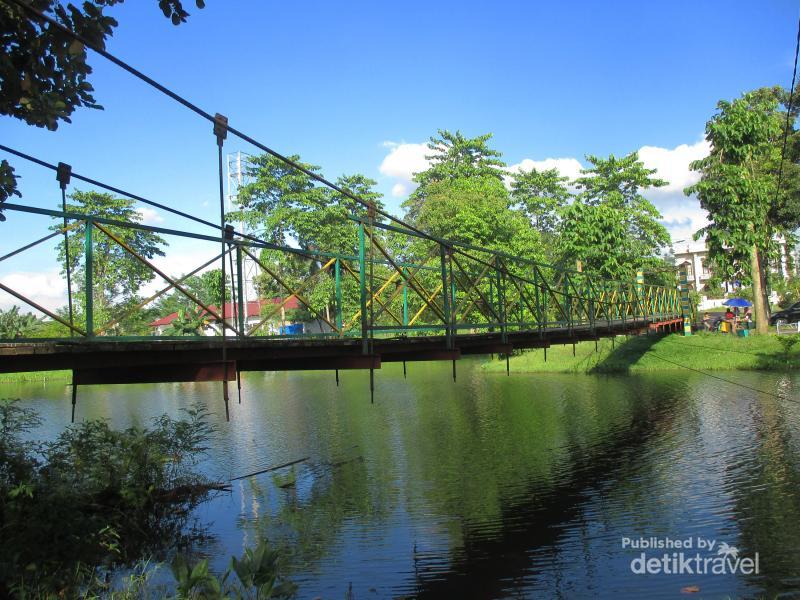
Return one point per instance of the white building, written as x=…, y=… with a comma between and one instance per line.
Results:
x=694, y=256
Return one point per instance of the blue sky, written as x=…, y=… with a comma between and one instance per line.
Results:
x=358, y=87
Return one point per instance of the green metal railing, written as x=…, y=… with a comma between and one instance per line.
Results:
x=380, y=289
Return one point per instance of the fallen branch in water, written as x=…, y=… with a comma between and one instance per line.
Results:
x=275, y=468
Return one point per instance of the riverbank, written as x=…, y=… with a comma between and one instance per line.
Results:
x=35, y=376
x=707, y=351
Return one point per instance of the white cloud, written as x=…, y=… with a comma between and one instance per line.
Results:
x=673, y=164
x=401, y=163
x=567, y=167
x=46, y=288
x=150, y=216
x=682, y=215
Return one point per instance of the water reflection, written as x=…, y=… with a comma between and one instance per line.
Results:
x=494, y=486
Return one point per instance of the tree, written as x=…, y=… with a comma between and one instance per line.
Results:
x=45, y=71
x=738, y=188
x=288, y=208
x=116, y=274
x=189, y=322
x=541, y=195
x=454, y=156
x=15, y=325
x=610, y=227
x=206, y=287
x=477, y=211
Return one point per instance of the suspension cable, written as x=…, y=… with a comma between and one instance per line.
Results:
x=788, y=113
x=40, y=15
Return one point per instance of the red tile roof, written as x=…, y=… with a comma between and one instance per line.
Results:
x=253, y=309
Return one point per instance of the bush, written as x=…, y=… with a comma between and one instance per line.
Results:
x=94, y=497
x=788, y=291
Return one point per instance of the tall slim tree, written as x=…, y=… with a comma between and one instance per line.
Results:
x=738, y=188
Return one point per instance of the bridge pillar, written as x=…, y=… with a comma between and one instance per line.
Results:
x=686, y=306
x=639, y=294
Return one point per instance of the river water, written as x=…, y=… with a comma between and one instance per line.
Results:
x=493, y=486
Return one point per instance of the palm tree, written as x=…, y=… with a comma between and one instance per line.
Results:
x=188, y=323
x=15, y=325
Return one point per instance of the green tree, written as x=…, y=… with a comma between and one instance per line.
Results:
x=477, y=211
x=206, y=287
x=117, y=276
x=44, y=71
x=13, y=324
x=541, y=195
x=454, y=156
x=188, y=322
x=738, y=188
x=288, y=208
x=610, y=227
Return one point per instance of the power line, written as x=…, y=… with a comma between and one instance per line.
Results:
x=788, y=112
x=241, y=135
x=206, y=115
x=707, y=374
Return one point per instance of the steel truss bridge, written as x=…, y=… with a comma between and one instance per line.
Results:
x=395, y=293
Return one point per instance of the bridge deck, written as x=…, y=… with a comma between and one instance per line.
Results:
x=199, y=359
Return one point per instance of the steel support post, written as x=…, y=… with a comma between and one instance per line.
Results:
x=338, y=285
x=240, y=291
x=362, y=282
x=89, y=283
x=405, y=299
x=445, y=296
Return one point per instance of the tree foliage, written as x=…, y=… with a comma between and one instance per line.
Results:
x=117, y=275
x=477, y=211
x=14, y=324
x=454, y=156
x=541, y=195
x=45, y=71
x=738, y=189
x=610, y=227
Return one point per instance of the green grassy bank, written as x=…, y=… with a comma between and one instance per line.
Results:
x=35, y=376
x=706, y=351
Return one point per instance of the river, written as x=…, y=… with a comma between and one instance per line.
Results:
x=493, y=486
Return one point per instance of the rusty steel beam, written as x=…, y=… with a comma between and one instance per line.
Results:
x=486, y=349
x=320, y=363
x=155, y=374
x=420, y=355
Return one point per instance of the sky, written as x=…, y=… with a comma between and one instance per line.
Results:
x=359, y=87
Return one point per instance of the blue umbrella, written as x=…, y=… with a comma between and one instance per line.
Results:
x=740, y=302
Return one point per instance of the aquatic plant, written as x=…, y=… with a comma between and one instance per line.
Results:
x=94, y=497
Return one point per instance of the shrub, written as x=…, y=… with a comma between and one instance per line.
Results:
x=94, y=497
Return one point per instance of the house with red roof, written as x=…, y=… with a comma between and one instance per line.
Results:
x=253, y=313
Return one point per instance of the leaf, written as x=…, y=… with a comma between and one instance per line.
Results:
x=75, y=48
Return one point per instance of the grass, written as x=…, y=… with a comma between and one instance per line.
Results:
x=707, y=351
x=35, y=376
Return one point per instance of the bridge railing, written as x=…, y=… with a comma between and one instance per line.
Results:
x=390, y=282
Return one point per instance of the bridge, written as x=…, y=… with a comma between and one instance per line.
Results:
x=396, y=293
x=374, y=306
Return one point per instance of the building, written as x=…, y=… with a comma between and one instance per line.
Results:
x=254, y=309
x=694, y=255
